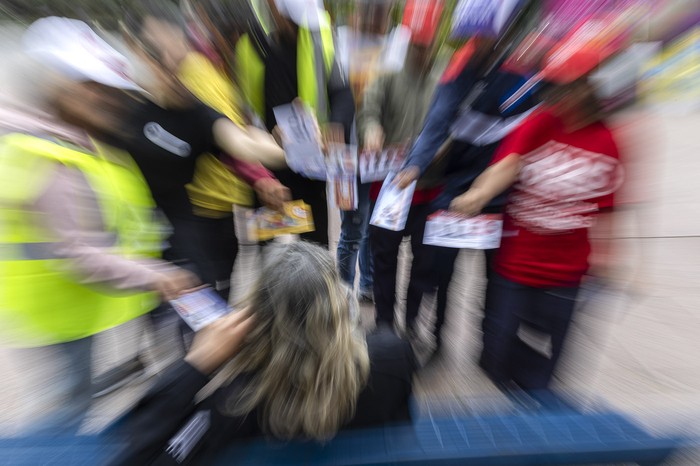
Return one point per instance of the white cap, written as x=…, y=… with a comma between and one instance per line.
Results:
x=72, y=48
x=309, y=14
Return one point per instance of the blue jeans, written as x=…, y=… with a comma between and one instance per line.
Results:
x=354, y=241
x=58, y=386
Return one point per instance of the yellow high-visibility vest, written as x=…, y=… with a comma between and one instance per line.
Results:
x=40, y=302
x=251, y=71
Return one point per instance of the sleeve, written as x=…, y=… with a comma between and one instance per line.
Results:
x=145, y=429
x=251, y=173
x=439, y=119
x=209, y=116
x=525, y=138
x=372, y=106
x=340, y=99
x=73, y=216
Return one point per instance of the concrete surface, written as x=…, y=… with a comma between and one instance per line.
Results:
x=635, y=348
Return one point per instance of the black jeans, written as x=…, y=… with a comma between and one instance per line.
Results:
x=206, y=246
x=524, y=331
x=445, y=259
x=385, y=246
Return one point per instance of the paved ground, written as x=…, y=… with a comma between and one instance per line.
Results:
x=636, y=349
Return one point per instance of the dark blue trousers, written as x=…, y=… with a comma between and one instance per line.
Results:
x=524, y=330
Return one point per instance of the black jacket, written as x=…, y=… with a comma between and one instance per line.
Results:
x=166, y=427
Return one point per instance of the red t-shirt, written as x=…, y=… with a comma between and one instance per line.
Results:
x=564, y=179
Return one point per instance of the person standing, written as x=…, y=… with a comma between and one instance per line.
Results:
x=170, y=131
x=297, y=60
x=362, y=46
x=393, y=110
x=462, y=130
x=80, y=244
x=564, y=167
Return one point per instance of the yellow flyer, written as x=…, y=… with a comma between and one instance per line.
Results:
x=295, y=219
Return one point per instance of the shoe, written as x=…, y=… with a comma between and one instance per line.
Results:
x=383, y=325
x=116, y=378
x=411, y=334
x=438, y=342
x=365, y=297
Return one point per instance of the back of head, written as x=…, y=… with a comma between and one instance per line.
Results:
x=231, y=18
x=163, y=10
x=308, y=363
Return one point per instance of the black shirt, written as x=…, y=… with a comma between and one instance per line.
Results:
x=160, y=428
x=165, y=144
x=281, y=83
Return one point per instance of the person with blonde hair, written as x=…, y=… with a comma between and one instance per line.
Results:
x=302, y=369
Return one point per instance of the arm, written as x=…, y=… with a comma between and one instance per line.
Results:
x=73, y=215
x=146, y=428
x=251, y=173
x=492, y=182
x=441, y=115
x=160, y=413
x=250, y=145
x=505, y=166
x=434, y=139
x=268, y=188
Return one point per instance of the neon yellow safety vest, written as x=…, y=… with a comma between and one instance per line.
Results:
x=251, y=71
x=40, y=303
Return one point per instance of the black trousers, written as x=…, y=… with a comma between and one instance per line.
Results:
x=445, y=259
x=207, y=246
x=385, y=246
x=524, y=331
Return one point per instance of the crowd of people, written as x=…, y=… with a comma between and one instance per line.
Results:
x=117, y=194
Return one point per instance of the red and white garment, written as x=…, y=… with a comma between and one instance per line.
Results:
x=565, y=179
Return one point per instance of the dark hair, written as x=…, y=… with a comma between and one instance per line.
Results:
x=590, y=105
x=114, y=102
x=229, y=17
x=164, y=10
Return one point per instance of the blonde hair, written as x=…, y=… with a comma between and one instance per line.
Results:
x=308, y=362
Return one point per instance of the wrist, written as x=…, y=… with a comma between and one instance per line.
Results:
x=479, y=196
x=200, y=363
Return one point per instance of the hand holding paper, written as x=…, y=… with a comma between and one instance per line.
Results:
x=393, y=204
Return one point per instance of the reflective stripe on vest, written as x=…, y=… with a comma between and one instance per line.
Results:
x=34, y=251
x=312, y=48
x=41, y=303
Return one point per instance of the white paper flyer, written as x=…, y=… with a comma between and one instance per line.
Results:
x=391, y=210
x=452, y=230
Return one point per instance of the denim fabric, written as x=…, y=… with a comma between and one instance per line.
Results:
x=513, y=310
x=57, y=389
x=354, y=242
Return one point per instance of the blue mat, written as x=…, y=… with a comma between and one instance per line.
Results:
x=544, y=438
x=512, y=437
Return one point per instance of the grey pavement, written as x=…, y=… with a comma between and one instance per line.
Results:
x=634, y=347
